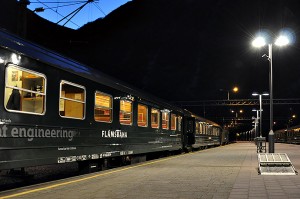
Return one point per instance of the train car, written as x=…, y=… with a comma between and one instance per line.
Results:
x=225, y=137
x=290, y=135
x=56, y=110
x=202, y=133
x=293, y=135
x=207, y=134
x=280, y=136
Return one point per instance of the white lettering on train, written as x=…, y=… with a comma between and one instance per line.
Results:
x=31, y=133
x=114, y=134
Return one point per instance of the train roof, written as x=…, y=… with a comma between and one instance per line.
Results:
x=34, y=51
x=187, y=112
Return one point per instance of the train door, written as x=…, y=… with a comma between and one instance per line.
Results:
x=189, y=131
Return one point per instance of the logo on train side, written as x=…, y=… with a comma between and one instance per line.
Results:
x=32, y=133
x=114, y=134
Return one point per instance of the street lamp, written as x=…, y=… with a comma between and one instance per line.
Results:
x=234, y=89
x=260, y=110
x=260, y=41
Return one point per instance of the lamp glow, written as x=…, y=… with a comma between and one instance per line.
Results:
x=282, y=41
x=235, y=89
x=259, y=42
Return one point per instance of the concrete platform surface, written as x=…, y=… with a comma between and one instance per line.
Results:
x=229, y=171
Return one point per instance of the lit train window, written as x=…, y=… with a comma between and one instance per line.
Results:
x=25, y=90
x=155, y=117
x=142, y=115
x=125, y=112
x=103, y=107
x=165, y=120
x=197, y=127
x=173, y=122
x=72, y=100
x=179, y=123
x=201, y=127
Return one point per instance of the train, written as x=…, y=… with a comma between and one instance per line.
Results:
x=56, y=110
x=290, y=135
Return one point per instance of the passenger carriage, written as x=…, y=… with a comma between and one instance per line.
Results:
x=290, y=135
x=56, y=110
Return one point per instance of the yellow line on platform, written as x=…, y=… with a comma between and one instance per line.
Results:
x=94, y=176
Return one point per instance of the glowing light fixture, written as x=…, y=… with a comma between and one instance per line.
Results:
x=235, y=89
x=259, y=42
x=282, y=41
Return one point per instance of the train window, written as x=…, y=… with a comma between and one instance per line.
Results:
x=165, y=120
x=173, y=121
x=25, y=90
x=72, y=100
x=201, y=128
x=125, y=112
x=155, y=117
x=142, y=115
x=179, y=123
x=103, y=107
x=197, y=127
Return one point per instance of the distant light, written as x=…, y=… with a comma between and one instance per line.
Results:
x=241, y=111
x=282, y=41
x=254, y=110
x=265, y=94
x=257, y=94
x=294, y=116
x=235, y=89
x=259, y=42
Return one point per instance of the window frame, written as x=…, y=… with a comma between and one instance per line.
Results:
x=127, y=112
x=25, y=90
x=168, y=121
x=158, y=120
x=65, y=98
x=147, y=112
x=111, y=108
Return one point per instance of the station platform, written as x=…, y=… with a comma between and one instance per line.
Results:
x=229, y=171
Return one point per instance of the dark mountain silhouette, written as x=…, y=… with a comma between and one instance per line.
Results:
x=189, y=49
x=15, y=18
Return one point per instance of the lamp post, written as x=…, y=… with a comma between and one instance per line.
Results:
x=260, y=42
x=234, y=89
x=260, y=110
